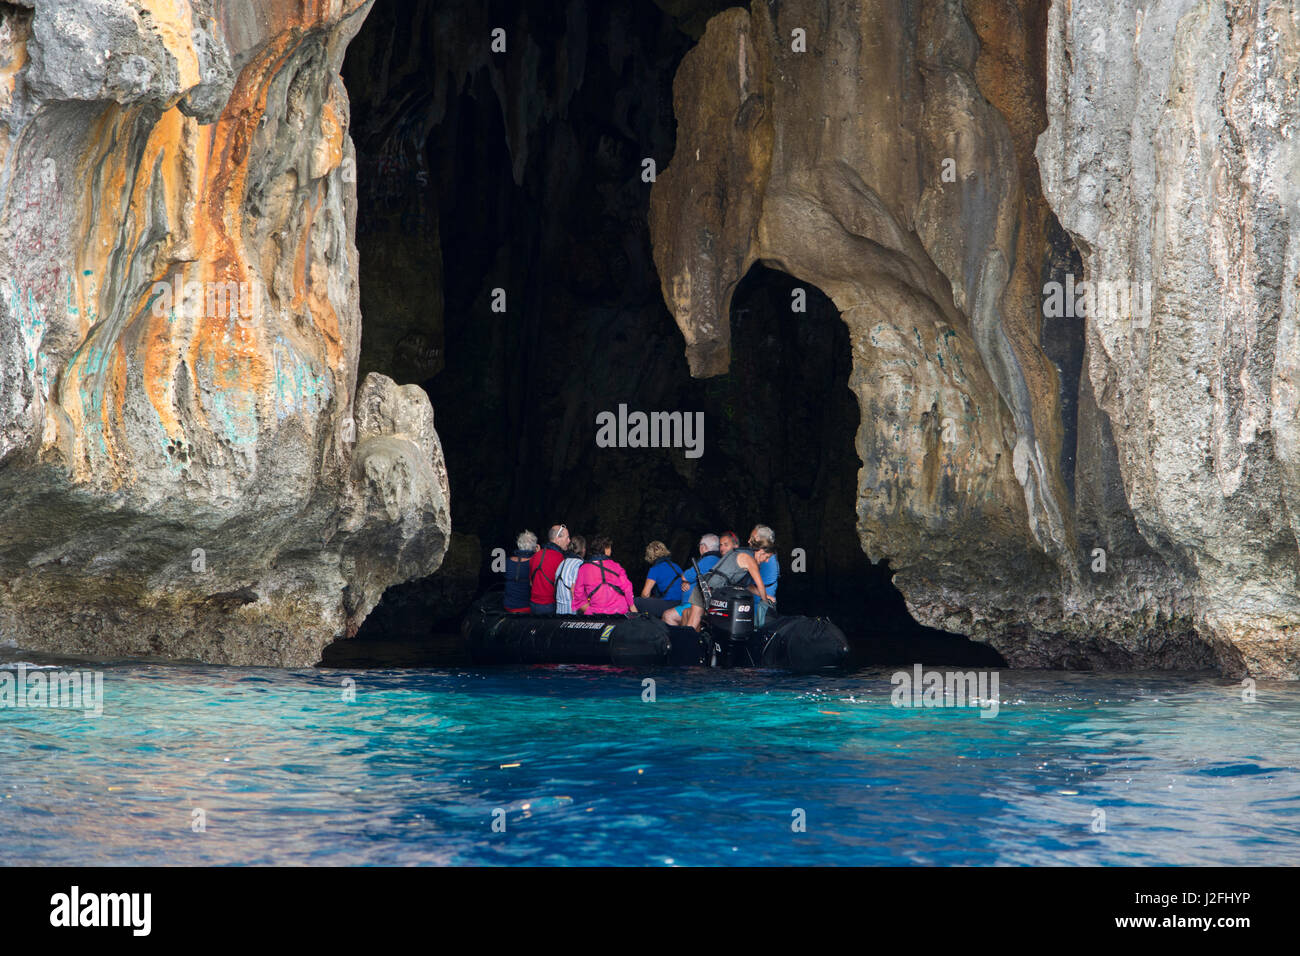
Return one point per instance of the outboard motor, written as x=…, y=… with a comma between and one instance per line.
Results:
x=731, y=613
x=730, y=620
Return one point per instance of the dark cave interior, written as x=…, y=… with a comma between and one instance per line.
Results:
x=521, y=171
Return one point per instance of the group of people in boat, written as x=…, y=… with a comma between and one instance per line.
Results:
x=569, y=575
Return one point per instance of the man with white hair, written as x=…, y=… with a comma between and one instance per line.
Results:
x=544, y=567
x=738, y=567
x=709, y=556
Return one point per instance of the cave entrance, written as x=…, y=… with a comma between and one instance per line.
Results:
x=476, y=189
x=793, y=423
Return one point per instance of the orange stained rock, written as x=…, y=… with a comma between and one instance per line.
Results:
x=202, y=172
x=280, y=18
x=9, y=69
x=173, y=21
x=234, y=356
x=330, y=148
x=301, y=252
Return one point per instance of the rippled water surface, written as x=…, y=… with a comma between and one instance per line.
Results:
x=713, y=771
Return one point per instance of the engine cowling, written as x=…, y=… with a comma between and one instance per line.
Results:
x=731, y=613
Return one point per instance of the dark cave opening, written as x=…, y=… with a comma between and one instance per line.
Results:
x=471, y=181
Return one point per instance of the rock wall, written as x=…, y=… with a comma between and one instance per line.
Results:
x=1172, y=158
x=1062, y=488
x=552, y=209
x=188, y=467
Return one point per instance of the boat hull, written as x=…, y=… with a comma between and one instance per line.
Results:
x=794, y=643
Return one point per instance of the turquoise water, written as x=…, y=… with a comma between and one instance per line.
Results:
x=714, y=771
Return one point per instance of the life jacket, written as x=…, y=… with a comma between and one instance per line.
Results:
x=663, y=592
x=541, y=568
x=691, y=582
x=517, y=583
x=599, y=562
x=728, y=573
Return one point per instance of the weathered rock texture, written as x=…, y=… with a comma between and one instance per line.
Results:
x=991, y=468
x=1173, y=158
x=193, y=142
x=522, y=171
x=200, y=473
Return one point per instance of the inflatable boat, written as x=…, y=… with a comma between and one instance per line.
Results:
x=730, y=637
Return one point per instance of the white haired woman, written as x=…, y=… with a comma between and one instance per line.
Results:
x=518, y=585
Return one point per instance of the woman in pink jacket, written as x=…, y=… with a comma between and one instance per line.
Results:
x=602, y=586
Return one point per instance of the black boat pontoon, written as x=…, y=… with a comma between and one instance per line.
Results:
x=730, y=637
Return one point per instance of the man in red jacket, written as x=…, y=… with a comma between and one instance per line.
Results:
x=544, y=568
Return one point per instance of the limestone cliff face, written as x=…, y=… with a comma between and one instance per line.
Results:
x=187, y=464
x=190, y=467
x=1172, y=157
x=993, y=473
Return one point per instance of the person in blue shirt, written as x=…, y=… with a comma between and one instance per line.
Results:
x=709, y=556
x=663, y=581
x=762, y=540
x=770, y=570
